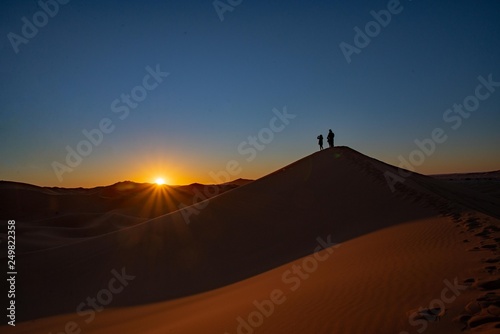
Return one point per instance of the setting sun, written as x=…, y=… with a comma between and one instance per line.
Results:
x=160, y=181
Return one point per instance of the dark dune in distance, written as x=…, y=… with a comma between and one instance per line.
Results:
x=387, y=253
x=483, y=182
x=93, y=211
x=18, y=197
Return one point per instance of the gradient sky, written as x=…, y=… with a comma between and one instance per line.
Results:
x=226, y=77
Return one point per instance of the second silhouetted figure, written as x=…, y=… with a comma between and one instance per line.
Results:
x=330, y=137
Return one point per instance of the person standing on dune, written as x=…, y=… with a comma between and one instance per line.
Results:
x=330, y=137
x=320, y=142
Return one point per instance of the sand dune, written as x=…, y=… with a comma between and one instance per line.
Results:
x=53, y=217
x=320, y=246
x=486, y=182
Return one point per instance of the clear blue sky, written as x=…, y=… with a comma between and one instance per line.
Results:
x=225, y=78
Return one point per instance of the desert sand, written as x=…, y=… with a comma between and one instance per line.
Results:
x=322, y=245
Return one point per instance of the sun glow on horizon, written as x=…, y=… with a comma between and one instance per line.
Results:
x=160, y=181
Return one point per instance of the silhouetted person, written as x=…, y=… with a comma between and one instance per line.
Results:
x=330, y=137
x=320, y=142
